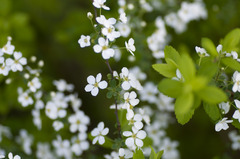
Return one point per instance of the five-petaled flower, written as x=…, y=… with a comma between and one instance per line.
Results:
x=95, y=84
x=99, y=132
x=135, y=137
x=84, y=41
x=103, y=47
x=100, y=4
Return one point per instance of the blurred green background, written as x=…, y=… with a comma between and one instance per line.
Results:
x=50, y=29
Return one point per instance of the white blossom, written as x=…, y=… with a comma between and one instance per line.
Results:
x=222, y=124
x=135, y=137
x=79, y=122
x=236, y=81
x=84, y=41
x=103, y=47
x=94, y=84
x=100, y=4
x=16, y=64
x=130, y=46
x=98, y=133
x=34, y=84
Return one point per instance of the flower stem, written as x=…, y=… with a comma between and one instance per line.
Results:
x=116, y=105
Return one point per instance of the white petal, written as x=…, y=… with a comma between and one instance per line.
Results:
x=99, y=77
x=100, y=126
x=95, y=91
x=121, y=152
x=138, y=125
x=101, y=140
x=95, y=140
x=141, y=134
x=105, y=131
x=23, y=61
x=125, y=85
x=127, y=133
x=103, y=84
x=129, y=142
x=17, y=55
x=95, y=132
x=237, y=103
x=97, y=48
x=139, y=142
x=91, y=79
x=89, y=88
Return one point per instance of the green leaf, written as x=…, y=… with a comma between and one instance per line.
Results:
x=231, y=41
x=187, y=67
x=230, y=62
x=138, y=154
x=155, y=155
x=212, y=111
x=199, y=83
x=208, y=68
x=212, y=95
x=184, y=118
x=165, y=70
x=184, y=103
x=209, y=46
x=171, y=53
x=171, y=88
x=236, y=123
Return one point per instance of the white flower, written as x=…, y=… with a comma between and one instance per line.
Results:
x=57, y=125
x=135, y=137
x=149, y=93
x=103, y=47
x=236, y=114
x=53, y=111
x=43, y=151
x=125, y=153
x=129, y=80
x=124, y=29
x=100, y=4
x=219, y=48
x=222, y=124
x=236, y=80
x=10, y=156
x=26, y=140
x=75, y=102
x=34, y=84
x=8, y=48
x=130, y=100
x=225, y=107
x=62, y=148
x=110, y=33
x=201, y=51
x=144, y=116
x=136, y=121
x=84, y=41
x=95, y=84
x=63, y=86
x=164, y=103
x=235, y=139
x=4, y=69
x=16, y=64
x=99, y=132
x=80, y=144
x=123, y=17
x=25, y=99
x=106, y=22
x=130, y=46
x=79, y=122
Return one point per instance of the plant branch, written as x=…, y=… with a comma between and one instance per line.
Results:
x=116, y=105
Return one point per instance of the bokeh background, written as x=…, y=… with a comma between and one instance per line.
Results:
x=50, y=29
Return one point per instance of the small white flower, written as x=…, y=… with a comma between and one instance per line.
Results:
x=63, y=86
x=201, y=51
x=135, y=137
x=79, y=144
x=225, y=107
x=99, y=132
x=106, y=22
x=222, y=124
x=130, y=46
x=62, y=148
x=124, y=29
x=4, y=69
x=123, y=17
x=10, y=156
x=79, y=122
x=236, y=114
x=84, y=41
x=236, y=80
x=136, y=121
x=34, y=84
x=219, y=48
x=57, y=125
x=129, y=80
x=103, y=47
x=16, y=64
x=95, y=84
x=110, y=33
x=130, y=100
x=100, y=4
x=125, y=153
x=8, y=48
x=25, y=99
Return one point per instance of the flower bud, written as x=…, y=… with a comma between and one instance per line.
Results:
x=89, y=15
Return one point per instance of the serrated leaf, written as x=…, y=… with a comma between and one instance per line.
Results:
x=184, y=118
x=165, y=70
x=187, y=67
x=199, y=83
x=212, y=95
x=209, y=46
x=231, y=41
x=138, y=154
x=171, y=53
x=212, y=111
x=171, y=88
x=230, y=62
